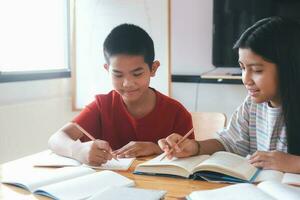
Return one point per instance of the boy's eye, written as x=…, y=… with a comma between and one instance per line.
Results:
x=117, y=75
x=138, y=74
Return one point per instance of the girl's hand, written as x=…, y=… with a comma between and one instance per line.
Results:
x=276, y=160
x=137, y=149
x=188, y=147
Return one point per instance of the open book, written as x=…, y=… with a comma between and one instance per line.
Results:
x=68, y=182
x=221, y=167
x=50, y=159
x=128, y=193
x=267, y=190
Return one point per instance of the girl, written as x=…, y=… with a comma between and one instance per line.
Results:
x=266, y=125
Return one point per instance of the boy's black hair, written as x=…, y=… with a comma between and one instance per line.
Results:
x=129, y=39
x=277, y=40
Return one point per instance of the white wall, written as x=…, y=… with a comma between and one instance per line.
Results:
x=29, y=113
x=191, y=51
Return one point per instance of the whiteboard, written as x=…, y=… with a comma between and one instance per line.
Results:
x=93, y=20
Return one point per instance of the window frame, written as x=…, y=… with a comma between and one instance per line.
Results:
x=44, y=74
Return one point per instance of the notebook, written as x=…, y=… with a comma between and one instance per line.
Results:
x=267, y=190
x=68, y=182
x=50, y=159
x=128, y=193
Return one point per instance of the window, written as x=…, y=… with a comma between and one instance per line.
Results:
x=34, y=39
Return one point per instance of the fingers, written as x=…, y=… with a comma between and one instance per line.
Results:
x=130, y=153
x=163, y=144
x=170, y=142
x=132, y=149
x=125, y=148
x=262, y=159
x=101, y=144
x=171, y=147
x=99, y=153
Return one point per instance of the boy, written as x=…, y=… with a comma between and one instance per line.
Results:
x=131, y=118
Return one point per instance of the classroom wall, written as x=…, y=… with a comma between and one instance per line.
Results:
x=31, y=111
x=191, y=42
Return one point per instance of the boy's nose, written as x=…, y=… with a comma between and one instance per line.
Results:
x=127, y=82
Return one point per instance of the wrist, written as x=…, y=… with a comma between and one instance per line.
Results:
x=296, y=165
x=80, y=150
x=198, y=148
x=157, y=149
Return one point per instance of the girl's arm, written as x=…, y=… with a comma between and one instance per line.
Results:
x=276, y=160
x=189, y=147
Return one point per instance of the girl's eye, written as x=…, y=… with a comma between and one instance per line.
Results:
x=258, y=71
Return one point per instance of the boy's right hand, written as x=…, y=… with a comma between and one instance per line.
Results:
x=188, y=147
x=93, y=153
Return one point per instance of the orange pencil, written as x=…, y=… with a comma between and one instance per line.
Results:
x=89, y=136
x=179, y=142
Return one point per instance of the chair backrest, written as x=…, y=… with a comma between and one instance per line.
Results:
x=207, y=123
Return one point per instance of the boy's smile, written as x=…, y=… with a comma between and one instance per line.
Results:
x=259, y=77
x=130, y=76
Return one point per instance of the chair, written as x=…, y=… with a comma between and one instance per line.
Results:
x=207, y=123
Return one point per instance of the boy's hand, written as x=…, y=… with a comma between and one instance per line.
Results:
x=137, y=149
x=94, y=153
x=276, y=160
x=185, y=149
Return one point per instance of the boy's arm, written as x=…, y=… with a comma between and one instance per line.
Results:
x=66, y=142
x=138, y=149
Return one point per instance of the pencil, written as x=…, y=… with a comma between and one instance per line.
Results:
x=179, y=142
x=89, y=136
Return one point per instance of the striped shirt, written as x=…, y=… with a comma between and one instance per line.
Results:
x=254, y=127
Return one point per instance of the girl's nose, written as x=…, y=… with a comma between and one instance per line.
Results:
x=247, y=78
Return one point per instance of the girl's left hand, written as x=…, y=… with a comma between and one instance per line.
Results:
x=276, y=160
x=137, y=149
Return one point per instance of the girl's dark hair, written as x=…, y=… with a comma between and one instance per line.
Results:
x=277, y=40
x=129, y=39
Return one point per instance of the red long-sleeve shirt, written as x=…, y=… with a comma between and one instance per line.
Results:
x=108, y=119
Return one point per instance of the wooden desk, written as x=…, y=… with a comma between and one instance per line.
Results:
x=175, y=187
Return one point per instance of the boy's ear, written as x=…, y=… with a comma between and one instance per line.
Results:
x=106, y=66
x=154, y=67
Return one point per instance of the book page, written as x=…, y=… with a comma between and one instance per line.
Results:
x=177, y=166
x=229, y=164
x=50, y=159
x=279, y=190
x=85, y=186
x=128, y=193
x=120, y=164
x=269, y=175
x=186, y=163
x=32, y=181
x=233, y=192
x=292, y=179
